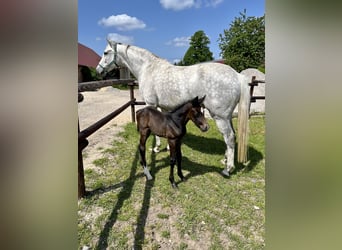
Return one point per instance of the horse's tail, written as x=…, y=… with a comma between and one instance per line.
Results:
x=243, y=117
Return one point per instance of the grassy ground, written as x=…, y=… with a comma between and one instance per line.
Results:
x=123, y=210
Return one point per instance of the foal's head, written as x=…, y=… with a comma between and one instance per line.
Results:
x=196, y=115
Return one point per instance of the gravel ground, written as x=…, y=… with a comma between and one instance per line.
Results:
x=95, y=106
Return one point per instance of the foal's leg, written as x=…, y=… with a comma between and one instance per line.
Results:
x=156, y=148
x=172, y=144
x=226, y=128
x=142, y=149
x=179, y=160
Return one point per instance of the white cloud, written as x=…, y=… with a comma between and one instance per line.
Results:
x=177, y=4
x=212, y=3
x=120, y=38
x=185, y=4
x=175, y=61
x=179, y=41
x=98, y=38
x=122, y=22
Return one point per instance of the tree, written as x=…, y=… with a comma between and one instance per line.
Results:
x=243, y=44
x=198, y=50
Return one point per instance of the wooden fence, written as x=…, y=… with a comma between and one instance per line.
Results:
x=84, y=134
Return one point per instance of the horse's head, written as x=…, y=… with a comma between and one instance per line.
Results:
x=109, y=58
x=196, y=114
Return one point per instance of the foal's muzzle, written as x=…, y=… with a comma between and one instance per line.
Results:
x=204, y=127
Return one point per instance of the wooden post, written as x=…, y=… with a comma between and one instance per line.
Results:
x=251, y=90
x=131, y=94
x=81, y=185
x=252, y=86
x=124, y=73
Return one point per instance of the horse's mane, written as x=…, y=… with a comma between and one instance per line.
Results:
x=179, y=107
x=145, y=51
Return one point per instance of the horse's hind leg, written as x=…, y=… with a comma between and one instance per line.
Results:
x=179, y=160
x=144, y=134
x=226, y=128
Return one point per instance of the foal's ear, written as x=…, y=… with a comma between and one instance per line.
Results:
x=200, y=101
x=195, y=101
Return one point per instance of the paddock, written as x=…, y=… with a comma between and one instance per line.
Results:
x=121, y=210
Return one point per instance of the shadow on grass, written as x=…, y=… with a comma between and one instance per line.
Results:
x=139, y=235
x=204, y=144
x=215, y=146
x=194, y=169
x=124, y=194
x=102, y=190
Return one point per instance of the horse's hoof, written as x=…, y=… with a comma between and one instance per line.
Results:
x=231, y=170
x=147, y=174
x=174, y=186
x=156, y=149
x=225, y=172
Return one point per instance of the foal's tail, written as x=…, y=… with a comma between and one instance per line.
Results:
x=243, y=117
x=137, y=115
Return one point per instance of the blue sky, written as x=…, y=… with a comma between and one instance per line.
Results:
x=160, y=26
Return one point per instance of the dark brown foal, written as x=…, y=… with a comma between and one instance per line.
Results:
x=171, y=125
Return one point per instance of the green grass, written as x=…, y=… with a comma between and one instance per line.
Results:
x=208, y=211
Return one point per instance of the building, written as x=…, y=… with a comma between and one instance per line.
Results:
x=87, y=58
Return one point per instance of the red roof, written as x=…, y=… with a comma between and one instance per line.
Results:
x=87, y=57
x=219, y=61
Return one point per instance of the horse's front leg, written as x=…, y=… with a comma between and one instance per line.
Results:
x=142, y=150
x=156, y=149
x=172, y=162
x=179, y=160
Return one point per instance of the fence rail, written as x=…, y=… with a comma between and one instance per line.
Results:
x=94, y=85
x=84, y=134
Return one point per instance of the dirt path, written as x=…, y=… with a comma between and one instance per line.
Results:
x=95, y=106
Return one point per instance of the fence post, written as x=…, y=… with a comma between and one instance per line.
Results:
x=124, y=73
x=82, y=143
x=131, y=94
x=251, y=90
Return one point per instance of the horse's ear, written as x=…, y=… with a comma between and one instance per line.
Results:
x=195, y=101
x=110, y=42
x=200, y=101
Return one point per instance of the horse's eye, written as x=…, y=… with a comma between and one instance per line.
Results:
x=105, y=53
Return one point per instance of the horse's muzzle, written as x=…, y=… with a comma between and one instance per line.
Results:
x=204, y=127
x=99, y=70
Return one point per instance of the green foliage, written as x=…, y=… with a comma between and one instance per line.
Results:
x=89, y=74
x=94, y=75
x=198, y=51
x=243, y=44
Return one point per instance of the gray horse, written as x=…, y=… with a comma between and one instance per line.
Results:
x=167, y=86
